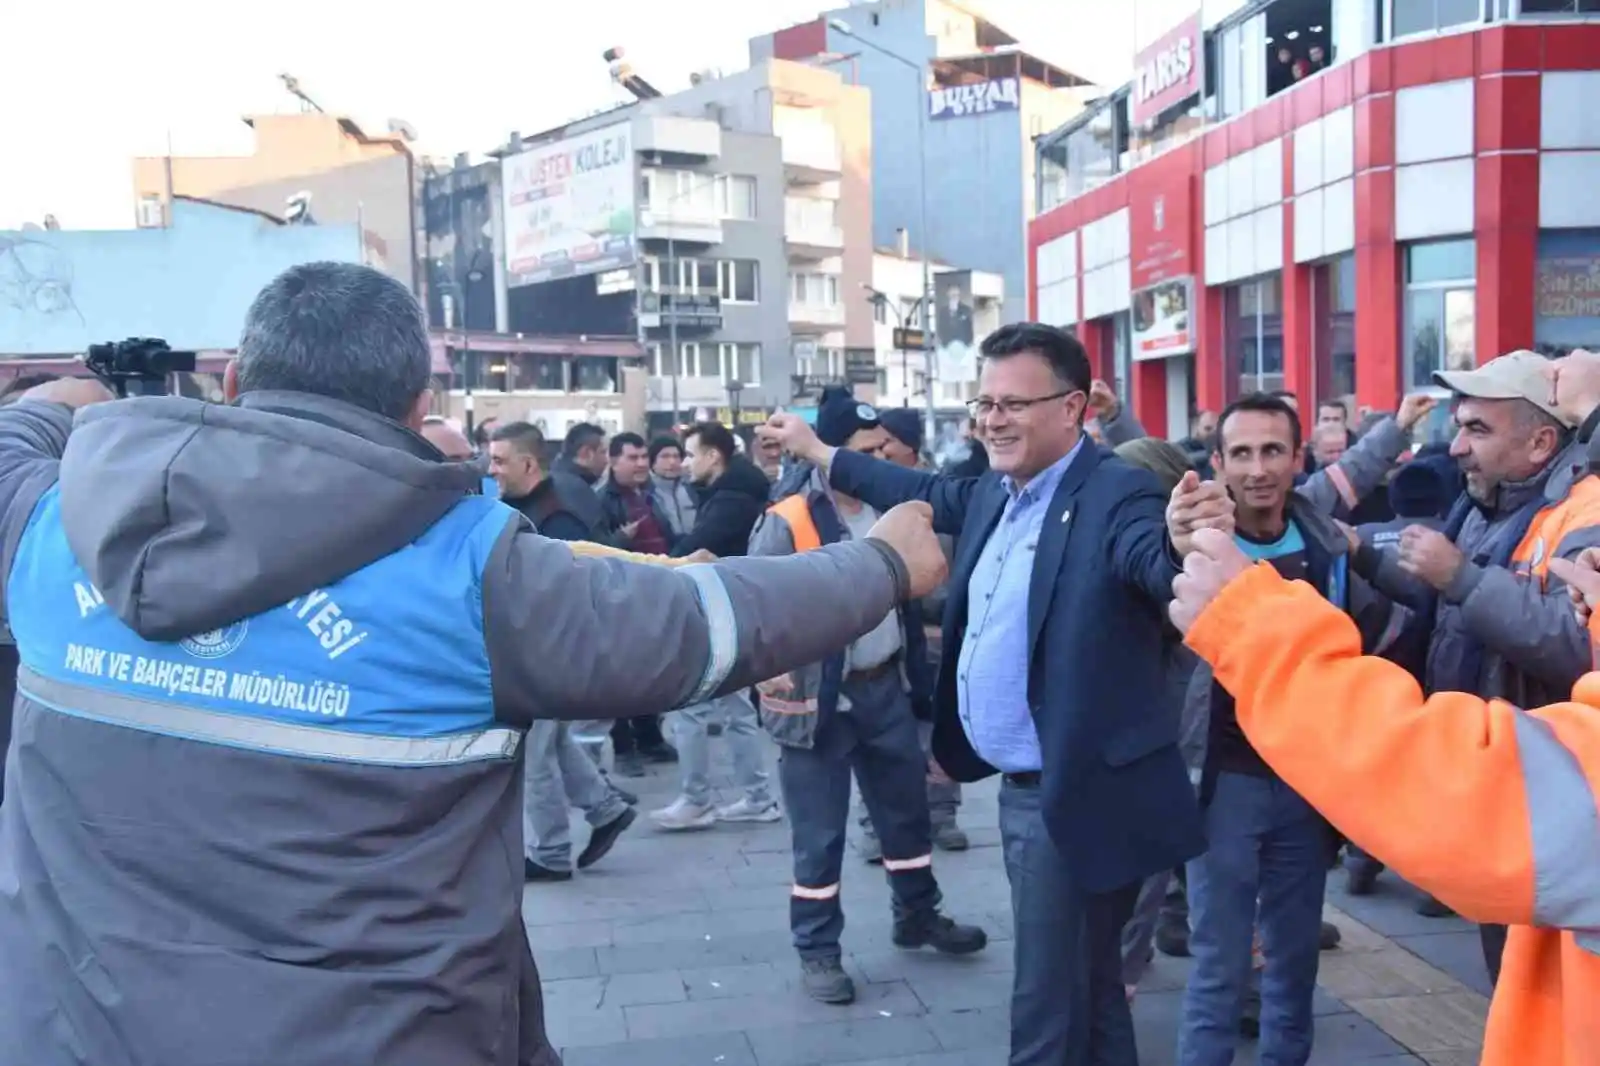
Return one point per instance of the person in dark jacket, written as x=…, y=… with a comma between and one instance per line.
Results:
x=581, y=465
x=634, y=515
x=556, y=508
x=733, y=493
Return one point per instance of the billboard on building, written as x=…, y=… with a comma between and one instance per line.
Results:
x=569, y=207
x=975, y=98
x=955, y=346
x=1168, y=72
x=1163, y=319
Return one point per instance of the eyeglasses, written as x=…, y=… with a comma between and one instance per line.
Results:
x=983, y=407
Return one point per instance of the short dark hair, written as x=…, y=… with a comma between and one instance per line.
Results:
x=1284, y=394
x=1267, y=403
x=525, y=437
x=714, y=435
x=22, y=383
x=661, y=444
x=625, y=440
x=1063, y=351
x=580, y=437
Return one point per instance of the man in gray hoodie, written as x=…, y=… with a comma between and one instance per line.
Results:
x=277, y=657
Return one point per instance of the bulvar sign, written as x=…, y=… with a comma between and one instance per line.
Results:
x=1167, y=73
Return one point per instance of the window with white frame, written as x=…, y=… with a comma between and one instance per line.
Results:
x=1441, y=309
x=832, y=362
x=658, y=364
x=682, y=192
x=815, y=290
x=736, y=197
x=741, y=363
x=738, y=281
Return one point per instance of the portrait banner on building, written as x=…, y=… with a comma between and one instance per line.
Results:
x=569, y=207
x=1163, y=319
x=955, y=346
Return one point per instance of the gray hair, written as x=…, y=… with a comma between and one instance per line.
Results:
x=339, y=330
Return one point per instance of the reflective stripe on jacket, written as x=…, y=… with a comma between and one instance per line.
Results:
x=1488, y=807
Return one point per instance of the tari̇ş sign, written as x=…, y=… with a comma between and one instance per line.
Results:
x=976, y=98
x=1167, y=73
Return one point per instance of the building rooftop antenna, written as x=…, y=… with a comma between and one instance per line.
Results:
x=307, y=104
x=623, y=74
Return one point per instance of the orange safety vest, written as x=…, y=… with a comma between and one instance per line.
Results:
x=1488, y=807
x=802, y=527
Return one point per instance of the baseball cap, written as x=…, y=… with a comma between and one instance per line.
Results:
x=1519, y=375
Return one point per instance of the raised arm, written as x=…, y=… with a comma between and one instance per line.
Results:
x=1478, y=803
x=577, y=636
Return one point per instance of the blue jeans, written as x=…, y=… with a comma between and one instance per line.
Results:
x=1268, y=848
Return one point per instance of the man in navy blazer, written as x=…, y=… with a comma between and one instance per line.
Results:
x=1052, y=676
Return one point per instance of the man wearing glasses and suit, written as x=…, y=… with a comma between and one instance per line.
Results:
x=1052, y=676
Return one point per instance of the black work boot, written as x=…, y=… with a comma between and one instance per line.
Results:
x=934, y=930
x=825, y=981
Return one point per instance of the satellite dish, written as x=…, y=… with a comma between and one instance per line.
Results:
x=399, y=127
x=298, y=209
x=51, y=223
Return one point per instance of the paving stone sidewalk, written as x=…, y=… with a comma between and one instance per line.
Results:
x=675, y=951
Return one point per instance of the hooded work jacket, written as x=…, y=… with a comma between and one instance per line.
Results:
x=263, y=796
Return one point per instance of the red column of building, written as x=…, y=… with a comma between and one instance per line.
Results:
x=1377, y=256
x=1506, y=190
x=1299, y=373
x=1093, y=336
x=1150, y=397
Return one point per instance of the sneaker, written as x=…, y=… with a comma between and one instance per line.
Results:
x=630, y=765
x=683, y=814
x=941, y=934
x=748, y=810
x=1330, y=936
x=871, y=851
x=532, y=871
x=1362, y=879
x=602, y=837
x=825, y=981
x=947, y=836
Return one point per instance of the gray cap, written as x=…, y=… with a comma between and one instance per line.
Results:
x=1519, y=375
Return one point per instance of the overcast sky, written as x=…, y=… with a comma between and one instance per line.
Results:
x=86, y=85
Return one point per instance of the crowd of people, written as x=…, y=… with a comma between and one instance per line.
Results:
x=289, y=788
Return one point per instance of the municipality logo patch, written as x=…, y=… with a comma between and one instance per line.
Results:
x=215, y=643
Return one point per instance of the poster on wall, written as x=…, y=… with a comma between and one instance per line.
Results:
x=955, y=347
x=569, y=207
x=1566, y=306
x=1163, y=319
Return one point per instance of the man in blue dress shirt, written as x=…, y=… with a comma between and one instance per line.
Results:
x=1052, y=676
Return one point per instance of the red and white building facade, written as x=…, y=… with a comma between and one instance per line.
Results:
x=1430, y=202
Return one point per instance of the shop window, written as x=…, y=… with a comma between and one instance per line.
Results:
x=1253, y=318
x=537, y=373
x=1567, y=292
x=1408, y=17
x=1440, y=310
x=1333, y=329
x=595, y=374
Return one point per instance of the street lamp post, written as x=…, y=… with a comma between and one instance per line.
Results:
x=879, y=298
x=841, y=26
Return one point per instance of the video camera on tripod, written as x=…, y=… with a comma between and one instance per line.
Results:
x=138, y=366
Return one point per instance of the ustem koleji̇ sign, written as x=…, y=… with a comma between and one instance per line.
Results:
x=569, y=207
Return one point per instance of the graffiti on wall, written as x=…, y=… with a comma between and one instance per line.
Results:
x=35, y=281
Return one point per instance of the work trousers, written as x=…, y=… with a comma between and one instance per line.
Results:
x=556, y=774
x=877, y=739
x=944, y=795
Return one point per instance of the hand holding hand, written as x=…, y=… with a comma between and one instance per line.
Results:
x=1414, y=408
x=795, y=437
x=1197, y=505
x=1207, y=569
x=908, y=529
x=1428, y=555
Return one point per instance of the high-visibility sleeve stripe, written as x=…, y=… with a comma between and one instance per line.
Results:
x=1342, y=485
x=921, y=862
x=721, y=626
x=824, y=893
x=1565, y=826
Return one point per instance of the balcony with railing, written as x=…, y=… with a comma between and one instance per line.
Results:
x=811, y=228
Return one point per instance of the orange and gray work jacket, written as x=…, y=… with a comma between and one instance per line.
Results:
x=1484, y=805
x=793, y=714
x=1502, y=628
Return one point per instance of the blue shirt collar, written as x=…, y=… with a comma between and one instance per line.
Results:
x=1043, y=486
